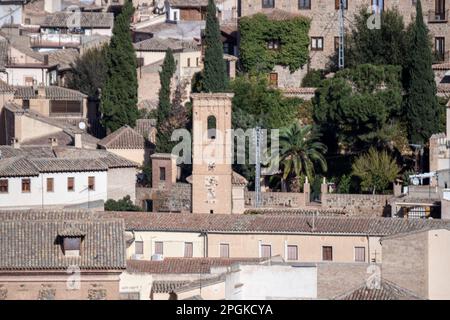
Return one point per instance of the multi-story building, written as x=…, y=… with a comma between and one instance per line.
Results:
x=324, y=30
x=46, y=177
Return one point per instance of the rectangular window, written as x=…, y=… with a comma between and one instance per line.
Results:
x=50, y=184
x=26, y=185
x=29, y=81
x=377, y=6
x=198, y=61
x=71, y=184
x=360, y=254
x=304, y=4
x=188, y=62
x=58, y=107
x=327, y=253
x=273, y=79
x=3, y=186
x=292, y=252
x=175, y=16
x=266, y=251
x=188, y=249
x=273, y=44
x=344, y=3
x=162, y=174
x=316, y=43
x=139, y=247
x=268, y=3
x=224, y=250
x=159, y=247
x=91, y=183
x=439, y=47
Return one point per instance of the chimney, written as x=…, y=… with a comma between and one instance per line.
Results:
x=52, y=6
x=53, y=142
x=15, y=143
x=78, y=143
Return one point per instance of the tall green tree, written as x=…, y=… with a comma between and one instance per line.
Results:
x=89, y=72
x=386, y=45
x=119, y=96
x=215, y=78
x=164, y=106
x=421, y=107
x=376, y=170
x=301, y=152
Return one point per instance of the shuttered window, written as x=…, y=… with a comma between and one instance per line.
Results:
x=224, y=250
x=3, y=186
x=66, y=107
x=71, y=184
x=26, y=185
x=139, y=247
x=266, y=251
x=159, y=247
x=360, y=254
x=327, y=253
x=50, y=185
x=188, y=249
x=292, y=252
x=304, y=4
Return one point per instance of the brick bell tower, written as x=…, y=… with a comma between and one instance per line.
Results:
x=212, y=152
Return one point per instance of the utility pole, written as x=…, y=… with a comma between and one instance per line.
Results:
x=341, y=57
x=257, y=166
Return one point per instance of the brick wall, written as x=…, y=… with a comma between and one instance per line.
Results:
x=405, y=261
x=336, y=278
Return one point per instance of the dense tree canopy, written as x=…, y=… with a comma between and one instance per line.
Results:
x=380, y=46
x=89, y=72
x=354, y=108
x=119, y=96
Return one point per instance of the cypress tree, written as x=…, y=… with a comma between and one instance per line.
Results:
x=422, y=109
x=215, y=72
x=119, y=96
x=164, y=107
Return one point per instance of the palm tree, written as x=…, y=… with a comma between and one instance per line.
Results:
x=300, y=152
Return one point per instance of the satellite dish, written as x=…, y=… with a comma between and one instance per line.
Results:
x=82, y=125
x=415, y=181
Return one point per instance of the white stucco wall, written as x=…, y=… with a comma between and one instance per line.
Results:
x=17, y=76
x=38, y=196
x=121, y=182
x=10, y=13
x=258, y=282
x=136, y=282
x=439, y=264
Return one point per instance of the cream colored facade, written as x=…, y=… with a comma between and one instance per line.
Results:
x=248, y=245
x=439, y=264
x=173, y=244
x=141, y=156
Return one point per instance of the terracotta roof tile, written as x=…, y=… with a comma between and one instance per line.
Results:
x=184, y=265
x=141, y=221
x=87, y=19
x=124, y=138
x=386, y=291
x=35, y=244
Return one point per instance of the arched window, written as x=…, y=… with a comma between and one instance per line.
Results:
x=211, y=127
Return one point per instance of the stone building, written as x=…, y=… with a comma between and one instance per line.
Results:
x=60, y=256
x=324, y=29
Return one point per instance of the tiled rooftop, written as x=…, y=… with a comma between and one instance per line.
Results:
x=87, y=19
x=141, y=221
x=35, y=244
x=386, y=291
x=124, y=138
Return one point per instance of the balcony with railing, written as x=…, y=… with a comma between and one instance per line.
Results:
x=437, y=16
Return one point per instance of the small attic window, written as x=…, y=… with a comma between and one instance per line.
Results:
x=71, y=246
x=71, y=238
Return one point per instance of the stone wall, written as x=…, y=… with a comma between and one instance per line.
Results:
x=405, y=262
x=176, y=199
x=358, y=204
x=276, y=199
x=334, y=279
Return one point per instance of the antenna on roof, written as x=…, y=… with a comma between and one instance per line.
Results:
x=82, y=125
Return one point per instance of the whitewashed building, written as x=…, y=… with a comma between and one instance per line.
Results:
x=45, y=177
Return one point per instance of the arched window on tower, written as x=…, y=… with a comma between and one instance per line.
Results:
x=211, y=127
